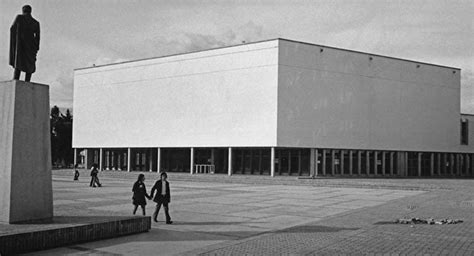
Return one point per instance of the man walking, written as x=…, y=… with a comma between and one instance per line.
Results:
x=162, y=197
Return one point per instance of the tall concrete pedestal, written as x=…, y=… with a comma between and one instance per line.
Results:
x=25, y=152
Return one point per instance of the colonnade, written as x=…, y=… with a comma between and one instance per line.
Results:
x=322, y=162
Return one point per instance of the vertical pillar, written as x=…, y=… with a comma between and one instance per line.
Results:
x=101, y=159
x=119, y=161
x=432, y=164
x=376, y=166
x=341, y=163
x=272, y=162
x=392, y=154
x=75, y=157
x=324, y=162
x=229, y=162
x=350, y=162
x=311, y=162
x=359, y=162
x=316, y=165
x=419, y=163
x=129, y=159
x=384, y=156
x=112, y=156
x=367, y=161
x=191, y=166
x=86, y=159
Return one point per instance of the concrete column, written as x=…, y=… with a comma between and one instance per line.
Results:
x=432, y=164
x=376, y=166
x=86, y=158
x=341, y=159
x=129, y=159
x=75, y=157
x=158, y=160
x=229, y=162
x=419, y=163
x=191, y=166
x=150, y=159
x=392, y=154
x=351, y=164
x=311, y=162
x=316, y=162
x=324, y=162
x=384, y=155
x=272, y=162
x=359, y=162
x=367, y=162
x=101, y=159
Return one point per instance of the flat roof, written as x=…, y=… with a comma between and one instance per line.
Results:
x=256, y=42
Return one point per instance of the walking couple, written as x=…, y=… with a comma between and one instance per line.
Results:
x=162, y=197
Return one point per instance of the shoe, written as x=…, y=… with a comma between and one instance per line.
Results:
x=155, y=220
x=169, y=222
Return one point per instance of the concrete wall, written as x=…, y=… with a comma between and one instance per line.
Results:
x=342, y=99
x=224, y=97
x=25, y=153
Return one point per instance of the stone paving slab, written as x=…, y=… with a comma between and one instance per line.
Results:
x=314, y=217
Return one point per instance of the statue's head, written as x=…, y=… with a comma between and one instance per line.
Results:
x=26, y=9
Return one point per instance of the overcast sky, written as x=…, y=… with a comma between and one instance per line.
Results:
x=77, y=34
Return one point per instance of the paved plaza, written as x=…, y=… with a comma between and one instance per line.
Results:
x=255, y=215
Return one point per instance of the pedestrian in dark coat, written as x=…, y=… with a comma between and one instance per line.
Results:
x=139, y=194
x=94, y=177
x=24, y=44
x=76, y=172
x=162, y=197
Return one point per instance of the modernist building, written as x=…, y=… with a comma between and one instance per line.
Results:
x=276, y=107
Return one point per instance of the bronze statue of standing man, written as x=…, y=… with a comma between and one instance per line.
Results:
x=24, y=44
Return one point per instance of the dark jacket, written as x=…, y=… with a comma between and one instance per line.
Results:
x=24, y=43
x=139, y=193
x=159, y=198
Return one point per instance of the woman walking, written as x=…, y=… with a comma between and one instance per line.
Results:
x=139, y=194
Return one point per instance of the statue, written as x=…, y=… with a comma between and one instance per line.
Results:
x=24, y=44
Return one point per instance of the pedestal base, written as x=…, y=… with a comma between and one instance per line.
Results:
x=25, y=152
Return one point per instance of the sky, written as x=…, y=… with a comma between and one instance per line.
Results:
x=76, y=34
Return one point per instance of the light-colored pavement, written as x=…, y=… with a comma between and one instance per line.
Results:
x=217, y=217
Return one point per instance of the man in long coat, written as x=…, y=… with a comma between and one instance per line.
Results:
x=24, y=44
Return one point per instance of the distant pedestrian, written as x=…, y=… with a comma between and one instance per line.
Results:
x=94, y=176
x=163, y=197
x=76, y=172
x=139, y=194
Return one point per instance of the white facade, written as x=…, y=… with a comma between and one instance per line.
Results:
x=224, y=97
x=276, y=93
